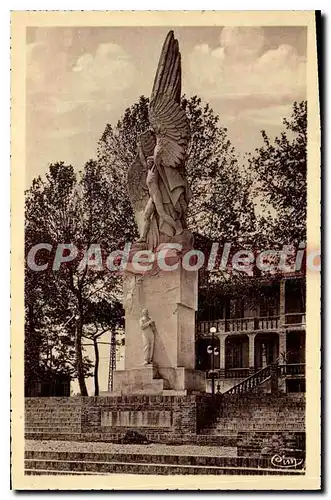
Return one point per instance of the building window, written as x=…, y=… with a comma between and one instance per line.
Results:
x=269, y=302
x=237, y=352
x=236, y=308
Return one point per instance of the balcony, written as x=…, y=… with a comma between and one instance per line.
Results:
x=229, y=373
x=295, y=319
x=292, y=370
x=253, y=324
x=267, y=323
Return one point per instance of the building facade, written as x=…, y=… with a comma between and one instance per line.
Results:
x=253, y=333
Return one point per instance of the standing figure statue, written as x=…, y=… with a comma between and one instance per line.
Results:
x=147, y=326
x=157, y=183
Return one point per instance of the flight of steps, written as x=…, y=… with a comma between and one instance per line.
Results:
x=261, y=424
x=256, y=426
x=73, y=463
x=44, y=416
x=259, y=412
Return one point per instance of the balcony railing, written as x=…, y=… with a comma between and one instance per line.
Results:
x=237, y=372
x=203, y=327
x=239, y=325
x=292, y=369
x=251, y=382
x=267, y=323
x=229, y=373
x=295, y=319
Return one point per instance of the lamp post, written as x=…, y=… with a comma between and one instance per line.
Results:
x=211, y=349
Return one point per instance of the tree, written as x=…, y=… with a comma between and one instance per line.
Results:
x=102, y=317
x=281, y=170
x=76, y=210
x=43, y=309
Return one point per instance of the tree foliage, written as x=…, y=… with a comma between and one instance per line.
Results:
x=281, y=169
x=79, y=210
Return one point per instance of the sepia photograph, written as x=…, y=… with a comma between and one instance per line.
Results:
x=165, y=250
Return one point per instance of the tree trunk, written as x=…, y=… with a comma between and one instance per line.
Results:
x=96, y=368
x=79, y=359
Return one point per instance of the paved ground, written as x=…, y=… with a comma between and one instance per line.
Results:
x=152, y=449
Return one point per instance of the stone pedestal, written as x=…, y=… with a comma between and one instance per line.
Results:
x=144, y=380
x=171, y=300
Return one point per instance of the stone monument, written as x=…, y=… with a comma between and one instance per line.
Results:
x=160, y=299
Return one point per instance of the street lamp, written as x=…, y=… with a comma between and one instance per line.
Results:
x=213, y=350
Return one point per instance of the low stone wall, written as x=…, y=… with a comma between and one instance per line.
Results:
x=152, y=414
x=158, y=416
x=261, y=411
x=250, y=422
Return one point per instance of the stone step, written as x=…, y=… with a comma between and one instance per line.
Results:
x=47, y=472
x=258, y=427
x=255, y=424
x=53, y=429
x=270, y=417
x=256, y=412
x=52, y=425
x=52, y=410
x=48, y=436
x=50, y=403
x=161, y=459
x=52, y=418
x=35, y=466
x=45, y=418
x=153, y=458
x=52, y=413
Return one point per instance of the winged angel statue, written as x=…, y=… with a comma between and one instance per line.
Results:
x=157, y=184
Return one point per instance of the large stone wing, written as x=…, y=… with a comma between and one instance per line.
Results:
x=137, y=173
x=166, y=116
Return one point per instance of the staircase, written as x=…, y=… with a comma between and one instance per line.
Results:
x=253, y=381
x=273, y=372
x=253, y=426
x=143, y=462
x=260, y=425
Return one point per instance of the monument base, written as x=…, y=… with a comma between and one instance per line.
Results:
x=152, y=380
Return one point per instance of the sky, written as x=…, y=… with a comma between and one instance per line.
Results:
x=80, y=79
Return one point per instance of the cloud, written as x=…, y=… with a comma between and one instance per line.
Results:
x=108, y=72
x=271, y=115
x=242, y=42
x=70, y=96
x=54, y=83
x=240, y=68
